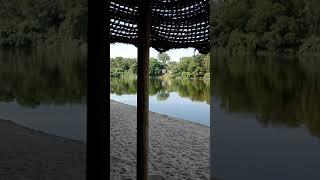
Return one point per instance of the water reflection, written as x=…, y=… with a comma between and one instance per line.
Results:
x=279, y=91
x=45, y=77
x=266, y=118
x=45, y=90
x=195, y=90
x=184, y=99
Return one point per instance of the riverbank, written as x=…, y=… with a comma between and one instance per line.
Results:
x=178, y=149
x=30, y=155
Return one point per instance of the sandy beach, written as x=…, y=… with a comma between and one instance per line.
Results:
x=26, y=154
x=179, y=149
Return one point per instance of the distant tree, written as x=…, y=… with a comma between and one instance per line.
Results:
x=164, y=58
x=196, y=66
x=155, y=68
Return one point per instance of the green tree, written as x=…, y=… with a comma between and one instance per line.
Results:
x=276, y=26
x=163, y=58
x=31, y=23
x=155, y=68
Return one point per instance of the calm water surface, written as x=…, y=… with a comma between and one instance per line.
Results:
x=45, y=90
x=265, y=111
x=266, y=116
x=184, y=99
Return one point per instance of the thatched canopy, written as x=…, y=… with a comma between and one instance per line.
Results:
x=163, y=25
x=174, y=23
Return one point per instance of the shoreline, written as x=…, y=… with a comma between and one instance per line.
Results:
x=178, y=149
x=165, y=116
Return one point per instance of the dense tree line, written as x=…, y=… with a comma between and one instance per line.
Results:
x=120, y=66
x=278, y=26
x=197, y=66
x=29, y=23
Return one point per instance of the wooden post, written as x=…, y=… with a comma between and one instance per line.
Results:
x=98, y=103
x=212, y=167
x=143, y=91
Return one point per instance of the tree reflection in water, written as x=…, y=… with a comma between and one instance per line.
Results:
x=195, y=90
x=43, y=77
x=279, y=91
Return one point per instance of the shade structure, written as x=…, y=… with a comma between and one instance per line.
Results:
x=174, y=23
x=163, y=25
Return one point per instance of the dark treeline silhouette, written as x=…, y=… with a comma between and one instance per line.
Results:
x=276, y=26
x=46, y=77
x=30, y=23
x=279, y=91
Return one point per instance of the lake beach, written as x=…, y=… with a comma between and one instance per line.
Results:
x=29, y=154
x=178, y=149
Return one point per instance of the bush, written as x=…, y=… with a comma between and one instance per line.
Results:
x=206, y=76
x=186, y=75
x=310, y=45
x=241, y=43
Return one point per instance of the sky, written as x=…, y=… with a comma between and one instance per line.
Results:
x=130, y=51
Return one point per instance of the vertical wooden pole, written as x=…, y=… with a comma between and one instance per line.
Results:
x=98, y=104
x=212, y=167
x=143, y=91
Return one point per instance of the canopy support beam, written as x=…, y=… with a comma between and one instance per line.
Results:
x=143, y=91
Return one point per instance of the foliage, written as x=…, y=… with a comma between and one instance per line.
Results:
x=191, y=67
x=155, y=67
x=188, y=67
x=123, y=67
x=163, y=58
x=31, y=23
x=277, y=26
x=310, y=45
x=241, y=42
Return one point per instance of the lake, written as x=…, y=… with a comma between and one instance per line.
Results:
x=184, y=99
x=265, y=114
x=266, y=118
x=264, y=110
x=45, y=90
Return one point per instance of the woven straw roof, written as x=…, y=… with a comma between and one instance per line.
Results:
x=174, y=23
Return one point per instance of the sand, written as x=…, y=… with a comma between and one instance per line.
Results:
x=26, y=154
x=179, y=149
